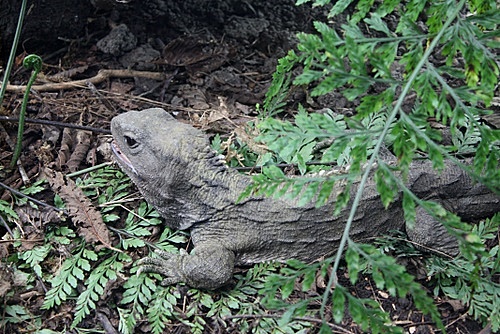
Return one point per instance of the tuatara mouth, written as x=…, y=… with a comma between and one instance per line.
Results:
x=122, y=157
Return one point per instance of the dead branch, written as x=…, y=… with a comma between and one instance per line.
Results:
x=101, y=76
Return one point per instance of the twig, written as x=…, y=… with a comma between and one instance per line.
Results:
x=284, y=165
x=4, y=223
x=34, y=200
x=101, y=98
x=21, y=240
x=22, y=172
x=413, y=243
x=6, y=137
x=90, y=169
x=55, y=123
x=101, y=76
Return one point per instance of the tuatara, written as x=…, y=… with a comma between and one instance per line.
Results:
x=175, y=169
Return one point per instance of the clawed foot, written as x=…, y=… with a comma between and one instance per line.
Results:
x=166, y=264
x=208, y=266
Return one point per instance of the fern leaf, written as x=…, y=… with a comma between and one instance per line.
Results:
x=65, y=282
x=161, y=309
x=95, y=284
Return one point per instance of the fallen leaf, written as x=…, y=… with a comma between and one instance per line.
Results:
x=83, y=213
x=82, y=144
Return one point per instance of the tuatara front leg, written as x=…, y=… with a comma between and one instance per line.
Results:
x=207, y=267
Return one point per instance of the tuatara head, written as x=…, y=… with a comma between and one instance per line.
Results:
x=161, y=155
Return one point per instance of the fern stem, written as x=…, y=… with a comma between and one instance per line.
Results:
x=13, y=50
x=432, y=70
x=390, y=119
x=35, y=62
x=90, y=169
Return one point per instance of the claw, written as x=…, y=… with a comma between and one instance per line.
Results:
x=207, y=267
x=167, y=265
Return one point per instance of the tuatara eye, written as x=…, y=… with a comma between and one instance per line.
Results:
x=131, y=142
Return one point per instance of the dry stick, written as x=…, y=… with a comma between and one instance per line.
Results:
x=106, y=74
x=101, y=76
x=4, y=223
x=58, y=124
x=34, y=200
x=90, y=169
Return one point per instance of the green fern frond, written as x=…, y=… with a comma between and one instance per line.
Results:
x=71, y=272
x=161, y=308
x=469, y=278
x=139, y=290
x=95, y=285
x=35, y=256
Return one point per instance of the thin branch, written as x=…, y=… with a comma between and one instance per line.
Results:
x=90, y=169
x=4, y=223
x=55, y=123
x=12, y=56
x=34, y=200
x=101, y=76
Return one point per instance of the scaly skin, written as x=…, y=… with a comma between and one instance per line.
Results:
x=174, y=168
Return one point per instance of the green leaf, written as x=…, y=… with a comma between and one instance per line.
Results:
x=375, y=22
x=409, y=210
x=342, y=199
x=6, y=209
x=35, y=256
x=309, y=280
x=301, y=2
x=414, y=8
x=309, y=193
x=353, y=264
x=325, y=192
x=95, y=285
x=325, y=329
x=386, y=185
x=339, y=7
x=338, y=304
x=287, y=288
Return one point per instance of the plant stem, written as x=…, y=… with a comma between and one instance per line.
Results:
x=90, y=169
x=35, y=62
x=390, y=120
x=13, y=50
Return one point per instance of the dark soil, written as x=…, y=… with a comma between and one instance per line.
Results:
x=217, y=57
